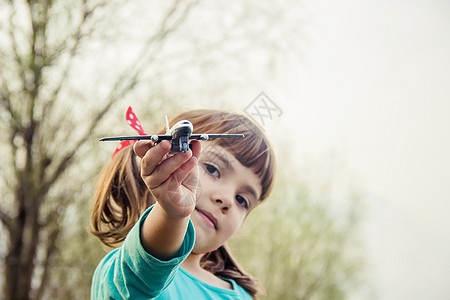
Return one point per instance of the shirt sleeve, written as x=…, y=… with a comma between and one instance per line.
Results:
x=131, y=272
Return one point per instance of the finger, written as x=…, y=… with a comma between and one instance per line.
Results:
x=166, y=156
x=182, y=172
x=196, y=148
x=190, y=178
x=182, y=176
x=153, y=156
x=163, y=171
x=141, y=147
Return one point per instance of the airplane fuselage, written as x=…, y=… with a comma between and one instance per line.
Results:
x=181, y=132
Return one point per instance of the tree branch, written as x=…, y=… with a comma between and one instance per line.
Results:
x=17, y=57
x=6, y=219
x=114, y=96
x=128, y=78
x=67, y=160
x=5, y=102
x=165, y=29
x=78, y=36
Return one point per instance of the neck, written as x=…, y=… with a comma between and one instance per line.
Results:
x=192, y=262
x=192, y=265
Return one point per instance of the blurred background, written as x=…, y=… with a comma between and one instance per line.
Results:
x=354, y=95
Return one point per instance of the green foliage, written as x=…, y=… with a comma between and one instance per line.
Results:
x=298, y=247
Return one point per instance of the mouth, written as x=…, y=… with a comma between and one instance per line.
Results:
x=208, y=217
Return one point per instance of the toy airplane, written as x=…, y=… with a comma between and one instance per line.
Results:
x=179, y=135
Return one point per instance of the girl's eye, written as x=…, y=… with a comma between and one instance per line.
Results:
x=212, y=170
x=242, y=201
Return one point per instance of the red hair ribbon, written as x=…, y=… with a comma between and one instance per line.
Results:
x=133, y=121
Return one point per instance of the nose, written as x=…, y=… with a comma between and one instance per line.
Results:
x=223, y=207
x=224, y=199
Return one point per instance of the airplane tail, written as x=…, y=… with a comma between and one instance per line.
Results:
x=167, y=126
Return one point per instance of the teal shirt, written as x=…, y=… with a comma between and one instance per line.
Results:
x=129, y=272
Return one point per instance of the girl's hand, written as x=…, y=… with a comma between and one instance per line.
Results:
x=172, y=180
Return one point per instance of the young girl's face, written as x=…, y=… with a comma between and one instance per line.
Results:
x=227, y=192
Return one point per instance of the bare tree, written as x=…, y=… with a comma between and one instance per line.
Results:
x=37, y=60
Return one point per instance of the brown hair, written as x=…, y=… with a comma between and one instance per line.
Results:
x=121, y=195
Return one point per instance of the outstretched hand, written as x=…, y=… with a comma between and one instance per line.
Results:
x=173, y=180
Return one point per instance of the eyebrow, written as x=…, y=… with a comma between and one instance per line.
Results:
x=252, y=192
x=222, y=158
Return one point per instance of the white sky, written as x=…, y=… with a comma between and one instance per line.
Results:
x=374, y=85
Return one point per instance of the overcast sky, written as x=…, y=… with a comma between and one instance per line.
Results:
x=373, y=84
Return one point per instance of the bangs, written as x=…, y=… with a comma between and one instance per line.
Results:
x=253, y=151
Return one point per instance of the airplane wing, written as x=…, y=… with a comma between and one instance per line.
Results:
x=205, y=136
x=157, y=137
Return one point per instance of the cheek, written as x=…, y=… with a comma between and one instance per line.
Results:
x=202, y=176
x=234, y=224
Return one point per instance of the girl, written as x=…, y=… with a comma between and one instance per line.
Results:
x=158, y=203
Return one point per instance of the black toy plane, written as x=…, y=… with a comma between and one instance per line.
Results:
x=179, y=135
